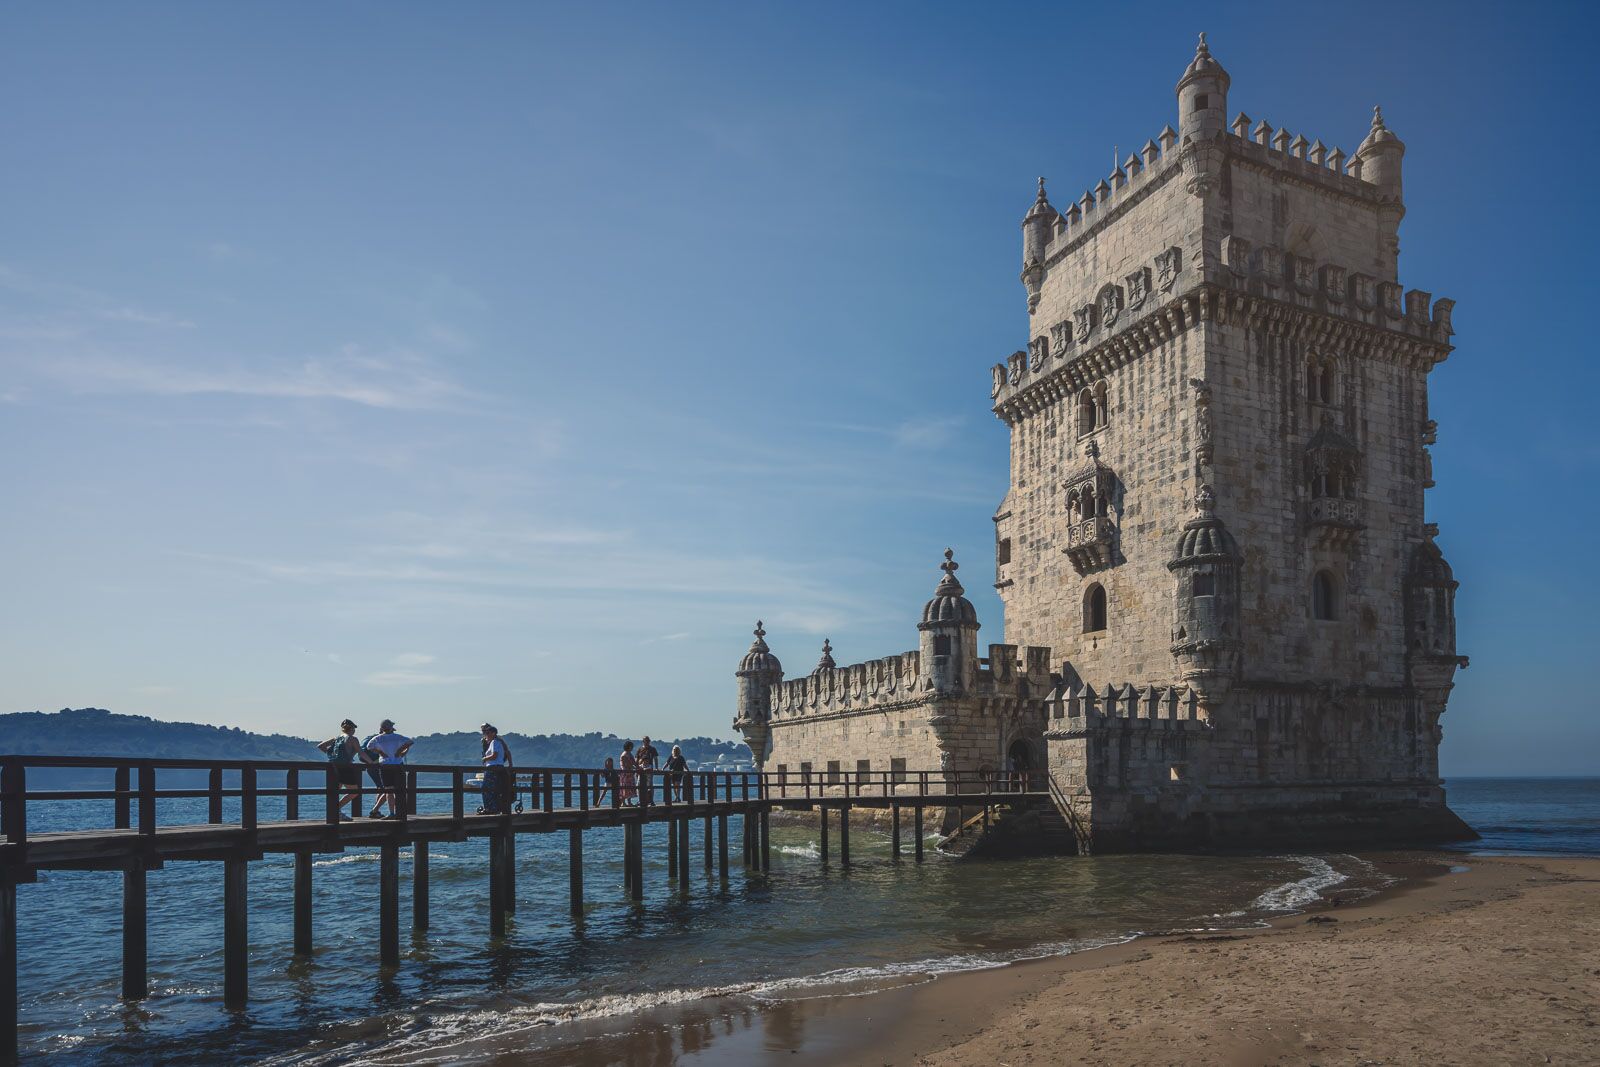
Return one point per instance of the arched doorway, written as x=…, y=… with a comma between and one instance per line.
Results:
x=1020, y=763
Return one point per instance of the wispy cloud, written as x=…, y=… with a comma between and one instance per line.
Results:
x=403, y=671
x=398, y=380
x=665, y=637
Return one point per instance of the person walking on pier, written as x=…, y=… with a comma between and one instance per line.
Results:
x=495, y=780
x=630, y=768
x=649, y=760
x=390, y=749
x=677, y=772
x=344, y=751
x=606, y=782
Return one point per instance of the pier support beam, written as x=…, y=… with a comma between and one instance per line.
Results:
x=389, y=905
x=302, y=903
x=765, y=825
x=235, y=932
x=575, y=868
x=844, y=836
x=419, y=886
x=894, y=834
x=510, y=867
x=709, y=860
x=916, y=831
x=672, y=850
x=497, y=885
x=683, y=853
x=822, y=846
x=135, y=958
x=722, y=846
x=8, y=969
x=638, y=861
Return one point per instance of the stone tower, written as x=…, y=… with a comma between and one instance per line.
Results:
x=1217, y=479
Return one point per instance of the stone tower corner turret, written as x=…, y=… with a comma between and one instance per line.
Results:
x=1205, y=626
x=949, y=630
x=758, y=672
x=1202, y=97
x=1036, y=227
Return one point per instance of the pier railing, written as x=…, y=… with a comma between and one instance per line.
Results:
x=312, y=790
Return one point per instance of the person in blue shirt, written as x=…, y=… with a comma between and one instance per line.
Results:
x=495, y=780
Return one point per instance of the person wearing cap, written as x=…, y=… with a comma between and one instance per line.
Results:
x=495, y=756
x=344, y=751
x=389, y=748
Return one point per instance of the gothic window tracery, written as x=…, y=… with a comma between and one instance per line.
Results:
x=1092, y=409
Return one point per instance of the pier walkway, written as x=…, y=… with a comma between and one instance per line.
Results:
x=258, y=807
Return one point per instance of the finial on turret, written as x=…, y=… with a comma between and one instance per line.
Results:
x=826, y=662
x=1201, y=49
x=759, y=631
x=1377, y=118
x=950, y=566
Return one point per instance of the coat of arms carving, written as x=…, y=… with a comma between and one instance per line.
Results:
x=1084, y=319
x=1038, y=352
x=999, y=371
x=1305, y=274
x=1110, y=303
x=1168, y=264
x=1138, y=286
x=1018, y=363
x=1061, y=336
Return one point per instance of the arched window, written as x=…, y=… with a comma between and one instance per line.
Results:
x=1324, y=597
x=1205, y=584
x=1100, y=404
x=1094, y=609
x=1328, y=381
x=1314, y=381
x=1087, y=413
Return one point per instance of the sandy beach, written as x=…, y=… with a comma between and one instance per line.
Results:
x=1497, y=963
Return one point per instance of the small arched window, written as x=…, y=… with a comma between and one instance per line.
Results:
x=1087, y=413
x=1324, y=598
x=1205, y=584
x=1328, y=382
x=1094, y=609
x=1100, y=404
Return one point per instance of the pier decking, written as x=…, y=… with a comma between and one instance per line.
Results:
x=551, y=799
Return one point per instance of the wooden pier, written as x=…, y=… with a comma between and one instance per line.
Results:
x=549, y=800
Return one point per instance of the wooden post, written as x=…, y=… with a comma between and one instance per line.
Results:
x=575, y=867
x=8, y=968
x=247, y=798
x=709, y=860
x=894, y=835
x=638, y=861
x=214, y=813
x=766, y=840
x=844, y=836
x=302, y=903
x=389, y=905
x=330, y=796
x=135, y=972
x=822, y=847
x=419, y=886
x=291, y=795
x=14, y=796
x=122, y=785
x=147, y=798
x=683, y=853
x=672, y=850
x=497, y=886
x=235, y=931
x=722, y=845
x=510, y=897
x=916, y=832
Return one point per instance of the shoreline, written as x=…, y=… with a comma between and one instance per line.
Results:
x=1376, y=979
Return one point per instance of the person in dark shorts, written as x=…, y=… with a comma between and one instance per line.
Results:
x=649, y=759
x=677, y=773
x=389, y=748
x=345, y=752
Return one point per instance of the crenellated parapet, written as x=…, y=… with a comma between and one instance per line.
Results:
x=1075, y=708
x=877, y=683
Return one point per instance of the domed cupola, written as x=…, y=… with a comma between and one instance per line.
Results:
x=1202, y=97
x=1205, y=624
x=760, y=658
x=949, y=632
x=758, y=672
x=949, y=606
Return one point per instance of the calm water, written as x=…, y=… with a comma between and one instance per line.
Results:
x=805, y=930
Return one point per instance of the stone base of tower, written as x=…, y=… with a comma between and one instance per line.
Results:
x=1275, y=767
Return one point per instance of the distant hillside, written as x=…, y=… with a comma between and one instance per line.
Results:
x=97, y=732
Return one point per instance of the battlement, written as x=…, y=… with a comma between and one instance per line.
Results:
x=890, y=680
x=1075, y=706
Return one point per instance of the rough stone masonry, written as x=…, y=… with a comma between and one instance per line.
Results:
x=1228, y=622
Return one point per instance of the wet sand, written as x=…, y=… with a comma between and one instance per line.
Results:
x=1467, y=959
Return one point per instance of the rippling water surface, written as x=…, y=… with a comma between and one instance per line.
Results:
x=805, y=930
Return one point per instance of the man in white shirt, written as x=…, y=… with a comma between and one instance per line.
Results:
x=495, y=781
x=390, y=749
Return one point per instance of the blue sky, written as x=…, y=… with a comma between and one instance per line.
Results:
x=509, y=360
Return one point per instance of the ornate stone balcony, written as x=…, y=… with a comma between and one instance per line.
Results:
x=1334, y=521
x=1089, y=543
